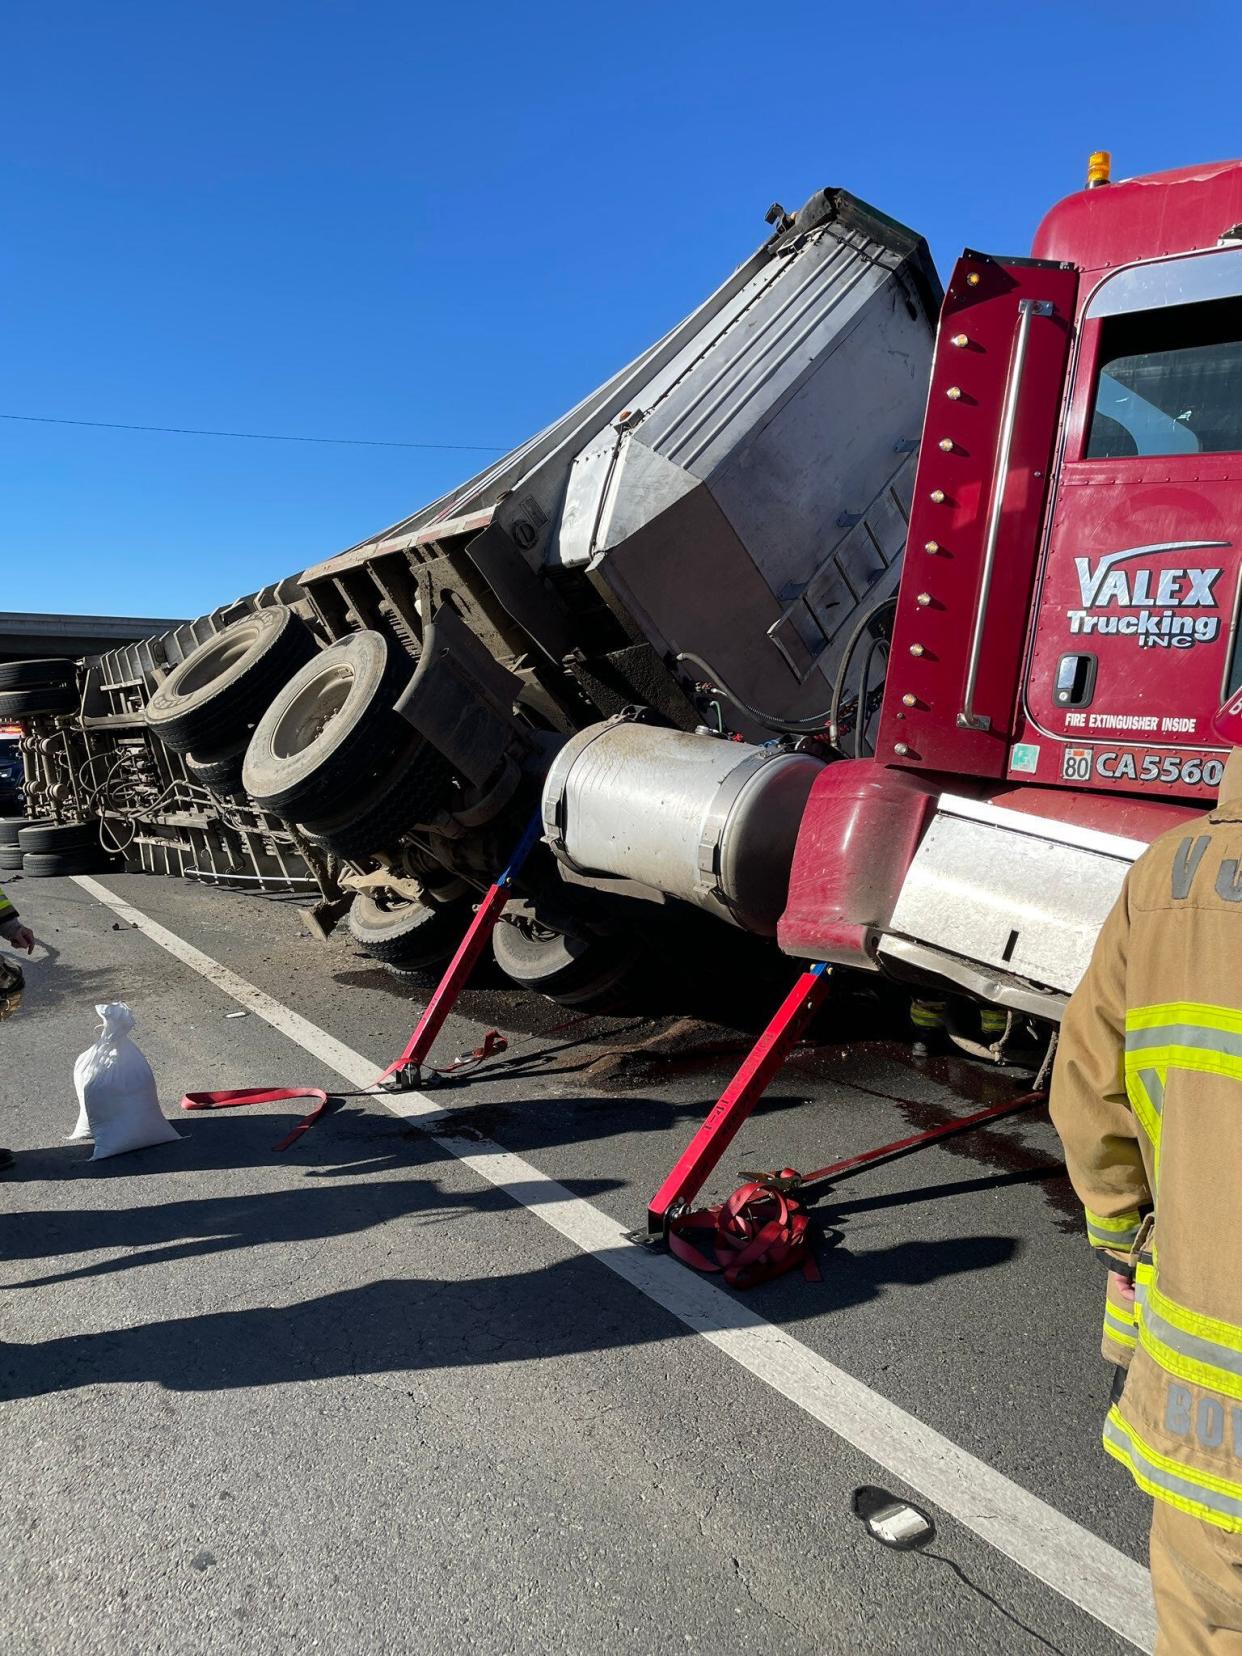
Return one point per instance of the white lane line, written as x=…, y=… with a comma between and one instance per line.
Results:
x=1062, y=1554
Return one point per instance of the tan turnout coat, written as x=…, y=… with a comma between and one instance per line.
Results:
x=1147, y=1098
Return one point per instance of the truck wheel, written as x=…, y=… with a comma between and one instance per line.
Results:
x=11, y=859
x=407, y=935
x=220, y=772
x=46, y=864
x=29, y=704
x=26, y=675
x=10, y=827
x=415, y=791
x=69, y=837
x=222, y=687
x=331, y=733
x=586, y=972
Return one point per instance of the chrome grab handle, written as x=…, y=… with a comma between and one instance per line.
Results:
x=968, y=719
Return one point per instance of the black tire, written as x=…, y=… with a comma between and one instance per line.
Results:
x=11, y=859
x=69, y=837
x=212, y=698
x=24, y=675
x=45, y=864
x=10, y=827
x=331, y=733
x=415, y=790
x=221, y=772
x=29, y=704
x=586, y=972
x=407, y=935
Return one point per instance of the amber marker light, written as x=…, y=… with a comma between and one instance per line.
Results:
x=1099, y=168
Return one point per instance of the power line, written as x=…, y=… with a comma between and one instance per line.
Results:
x=253, y=436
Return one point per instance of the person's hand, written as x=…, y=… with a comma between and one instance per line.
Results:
x=1122, y=1286
x=22, y=938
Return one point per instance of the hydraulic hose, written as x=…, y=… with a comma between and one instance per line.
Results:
x=811, y=722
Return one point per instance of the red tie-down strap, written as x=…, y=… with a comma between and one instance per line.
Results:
x=226, y=1099
x=493, y=1043
x=759, y=1233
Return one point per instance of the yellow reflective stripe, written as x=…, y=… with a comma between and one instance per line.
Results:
x=1177, y=1055
x=1227, y=1018
x=1215, y=1329
x=1119, y=1331
x=1145, y=1090
x=923, y=1017
x=1119, y=1232
x=1202, y=1350
x=4, y=904
x=1189, y=1488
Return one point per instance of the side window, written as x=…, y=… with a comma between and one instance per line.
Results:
x=1170, y=382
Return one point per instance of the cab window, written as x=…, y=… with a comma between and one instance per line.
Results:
x=1169, y=382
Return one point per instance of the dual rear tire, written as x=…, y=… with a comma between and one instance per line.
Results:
x=48, y=849
x=37, y=689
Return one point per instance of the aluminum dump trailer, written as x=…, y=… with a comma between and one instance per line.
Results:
x=736, y=493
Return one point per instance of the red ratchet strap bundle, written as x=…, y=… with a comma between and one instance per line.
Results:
x=761, y=1232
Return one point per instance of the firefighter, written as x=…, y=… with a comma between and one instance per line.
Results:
x=13, y=931
x=930, y=1020
x=1147, y=1098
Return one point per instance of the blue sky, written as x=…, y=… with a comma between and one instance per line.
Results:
x=445, y=224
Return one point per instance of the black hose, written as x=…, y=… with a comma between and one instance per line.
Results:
x=791, y=726
x=847, y=656
x=813, y=721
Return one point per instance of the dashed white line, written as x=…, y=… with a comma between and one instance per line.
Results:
x=1071, y=1560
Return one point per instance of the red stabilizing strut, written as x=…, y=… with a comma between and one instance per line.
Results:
x=406, y=1070
x=739, y=1098
x=900, y=1147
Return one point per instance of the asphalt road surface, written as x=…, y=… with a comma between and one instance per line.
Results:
x=408, y=1385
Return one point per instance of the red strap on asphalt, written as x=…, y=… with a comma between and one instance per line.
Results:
x=261, y=1095
x=229, y=1097
x=759, y=1233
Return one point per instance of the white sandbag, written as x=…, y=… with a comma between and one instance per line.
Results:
x=118, y=1104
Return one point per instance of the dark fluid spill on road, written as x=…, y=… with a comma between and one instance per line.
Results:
x=1002, y=1148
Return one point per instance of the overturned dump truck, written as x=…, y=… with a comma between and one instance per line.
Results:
x=665, y=623
x=669, y=582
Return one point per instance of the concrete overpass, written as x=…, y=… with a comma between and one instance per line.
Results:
x=23, y=636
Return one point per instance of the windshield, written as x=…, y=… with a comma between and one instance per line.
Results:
x=1170, y=382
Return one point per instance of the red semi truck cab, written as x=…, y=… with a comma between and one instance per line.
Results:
x=1067, y=621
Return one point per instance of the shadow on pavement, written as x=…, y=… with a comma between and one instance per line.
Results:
x=412, y=1325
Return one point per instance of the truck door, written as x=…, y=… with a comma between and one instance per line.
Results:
x=1135, y=624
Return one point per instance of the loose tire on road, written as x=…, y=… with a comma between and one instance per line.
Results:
x=58, y=836
x=217, y=693
x=44, y=864
x=331, y=733
x=415, y=790
x=29, y=704
x=407, y=935
x=587, y=972
x=26, y=675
